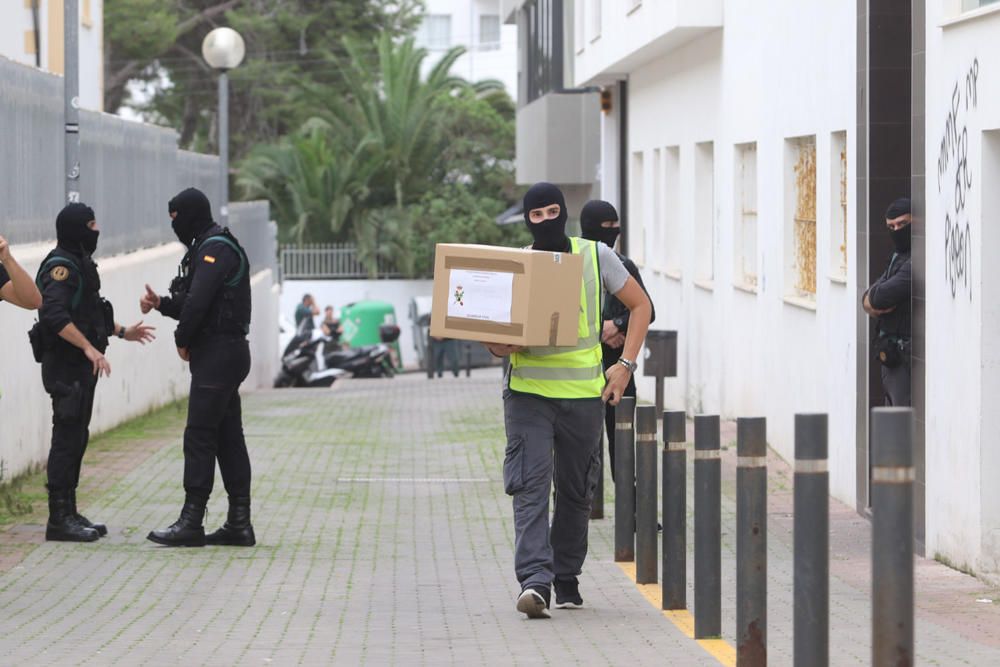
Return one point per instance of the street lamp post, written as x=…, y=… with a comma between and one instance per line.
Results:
x=223, y=49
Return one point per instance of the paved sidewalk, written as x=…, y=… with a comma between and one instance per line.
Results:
x=385, y=538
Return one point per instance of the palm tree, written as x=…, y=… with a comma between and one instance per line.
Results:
x=312, y=181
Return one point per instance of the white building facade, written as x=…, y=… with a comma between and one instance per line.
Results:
x=753, y=148
x=962, y=285
x=735, y=188
x=490, y=46
x=32, y=33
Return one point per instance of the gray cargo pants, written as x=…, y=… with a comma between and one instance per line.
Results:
x=551, y=440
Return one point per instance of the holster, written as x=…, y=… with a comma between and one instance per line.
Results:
x=37, y=339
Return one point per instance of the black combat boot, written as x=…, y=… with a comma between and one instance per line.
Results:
x=63, y=525
x=237, y=531
x=187, y=531
x=101, y=529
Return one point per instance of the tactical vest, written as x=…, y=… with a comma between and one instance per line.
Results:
x=230, y=309
x=90, y=313
x=561, y=372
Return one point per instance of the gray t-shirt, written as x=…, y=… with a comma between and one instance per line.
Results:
x=614, y=275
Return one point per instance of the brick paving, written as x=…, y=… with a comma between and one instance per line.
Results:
x=385, y=538
x=363, y=557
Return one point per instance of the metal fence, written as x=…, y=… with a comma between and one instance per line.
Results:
x=329, y=260
x=129, y=171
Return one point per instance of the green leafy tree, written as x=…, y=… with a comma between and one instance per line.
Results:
x=312, y=180
x=428, y=159
x=288, y=42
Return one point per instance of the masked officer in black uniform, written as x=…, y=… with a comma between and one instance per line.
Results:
x=887, y=301
x=69, y=340
x=599, y=222
x=210, y=298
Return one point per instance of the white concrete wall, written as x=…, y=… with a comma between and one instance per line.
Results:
x=963, y=300
x=142, y=377
x=481, y=61
x=16, y=22
x=338, y=293
x=775, y=71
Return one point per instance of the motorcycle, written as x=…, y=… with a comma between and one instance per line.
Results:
x=319, y=362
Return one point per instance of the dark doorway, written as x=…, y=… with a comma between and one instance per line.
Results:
x=884, y=171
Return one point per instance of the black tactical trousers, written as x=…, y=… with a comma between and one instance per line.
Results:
x=215, y=420
x=71, y=385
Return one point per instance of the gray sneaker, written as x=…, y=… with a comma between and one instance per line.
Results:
x=534, y=601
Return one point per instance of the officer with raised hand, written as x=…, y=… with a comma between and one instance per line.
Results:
x=16, y=286
x=210, y=299
x=69, y=340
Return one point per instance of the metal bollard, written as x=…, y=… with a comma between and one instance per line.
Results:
x=625, y=480
x=812, y=542
x=674, y=510
x=468, y=360
x=751, y=542
x=645, y=495
x=597, y=506
x=892, y=536
x=707, y=528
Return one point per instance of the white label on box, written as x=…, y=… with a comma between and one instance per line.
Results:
x=480, y=295
x=557, y=257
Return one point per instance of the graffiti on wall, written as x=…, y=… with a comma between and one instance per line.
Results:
x=954, y=181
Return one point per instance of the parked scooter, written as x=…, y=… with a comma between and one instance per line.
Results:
x=319, y=361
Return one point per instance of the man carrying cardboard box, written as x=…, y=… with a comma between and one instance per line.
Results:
x=554, y=411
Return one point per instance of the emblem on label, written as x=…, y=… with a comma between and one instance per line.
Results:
x=60, y=273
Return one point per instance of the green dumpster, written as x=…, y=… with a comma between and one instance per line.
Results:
x=361, y=321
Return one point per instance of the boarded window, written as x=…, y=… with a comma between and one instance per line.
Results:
x=800, y=230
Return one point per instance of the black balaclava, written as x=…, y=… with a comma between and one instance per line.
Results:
x=900, y=237
x=194, y=215
x=593, y=214
x=551, y=234
x=72, y=232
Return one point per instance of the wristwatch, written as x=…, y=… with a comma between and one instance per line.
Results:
x=630, y=365
x=121, y=332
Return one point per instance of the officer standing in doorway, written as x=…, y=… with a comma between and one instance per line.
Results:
x=69, y=340
x=887, y=301
x=599, y=222
x=210, y=299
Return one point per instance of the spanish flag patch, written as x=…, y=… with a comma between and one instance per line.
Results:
x=209, y=259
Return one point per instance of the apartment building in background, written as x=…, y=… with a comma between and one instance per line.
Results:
x=558, y=125
x=32, y=33
x=490, y=46
x=752, y=149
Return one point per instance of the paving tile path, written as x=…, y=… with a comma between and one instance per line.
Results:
x=385, y=539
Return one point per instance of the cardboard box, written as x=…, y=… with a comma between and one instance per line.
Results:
x=506, y=295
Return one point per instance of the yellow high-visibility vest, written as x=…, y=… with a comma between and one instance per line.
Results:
x=568, y=372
